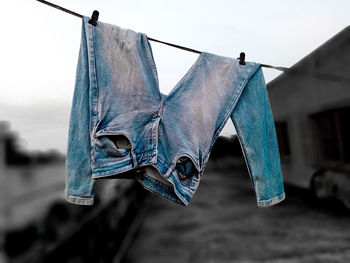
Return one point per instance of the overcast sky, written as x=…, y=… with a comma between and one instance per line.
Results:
x=39, y=48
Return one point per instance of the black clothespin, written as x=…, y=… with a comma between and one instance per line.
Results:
x=94, y=18
x=242, y=58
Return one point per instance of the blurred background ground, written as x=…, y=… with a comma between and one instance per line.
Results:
x=224, y=224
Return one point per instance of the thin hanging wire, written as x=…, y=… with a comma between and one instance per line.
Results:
x=291, y=71
x=149, y=38
x=61, y=8
x=174, y=45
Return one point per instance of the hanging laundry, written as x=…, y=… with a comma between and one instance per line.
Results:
x=122, y=126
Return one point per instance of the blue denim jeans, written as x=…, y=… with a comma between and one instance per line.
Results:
x=122, y=126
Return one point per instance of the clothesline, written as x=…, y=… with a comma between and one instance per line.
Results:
x=313, y=74
x=242, y=56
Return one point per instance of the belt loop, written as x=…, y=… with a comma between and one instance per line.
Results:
x=134, y=162
x=170, y=170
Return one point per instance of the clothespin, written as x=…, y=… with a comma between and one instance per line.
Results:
x=242, y=58
x=94, y=18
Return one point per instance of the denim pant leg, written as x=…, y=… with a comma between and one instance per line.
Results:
x=254, y=123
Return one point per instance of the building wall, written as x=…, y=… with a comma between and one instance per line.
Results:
x=293, y=97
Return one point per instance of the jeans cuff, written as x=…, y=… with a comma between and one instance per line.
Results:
x=79, y=200
x=272, y=201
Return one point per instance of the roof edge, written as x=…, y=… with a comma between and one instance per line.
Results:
x=313, y=53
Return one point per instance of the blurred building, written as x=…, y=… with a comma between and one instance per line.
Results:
x=28, y=180
x=30, y=184
x=311, y=108
x=35, y=219
x=4, y=133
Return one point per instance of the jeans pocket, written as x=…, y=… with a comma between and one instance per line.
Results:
x=186, y=170
x=112, y=145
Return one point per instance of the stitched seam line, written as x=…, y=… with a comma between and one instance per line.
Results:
x=149, y=56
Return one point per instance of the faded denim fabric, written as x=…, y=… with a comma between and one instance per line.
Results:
x=122, y=126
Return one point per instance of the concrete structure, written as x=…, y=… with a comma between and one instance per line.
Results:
x=3, y=214
x=311, y=108
x=4, y=132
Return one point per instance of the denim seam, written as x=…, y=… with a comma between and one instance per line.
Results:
x=97, y=175
x=124, y=159
x=95, y=81
x=89, y=29
x=92, y=82
x=116, y=171
x=150, y=60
